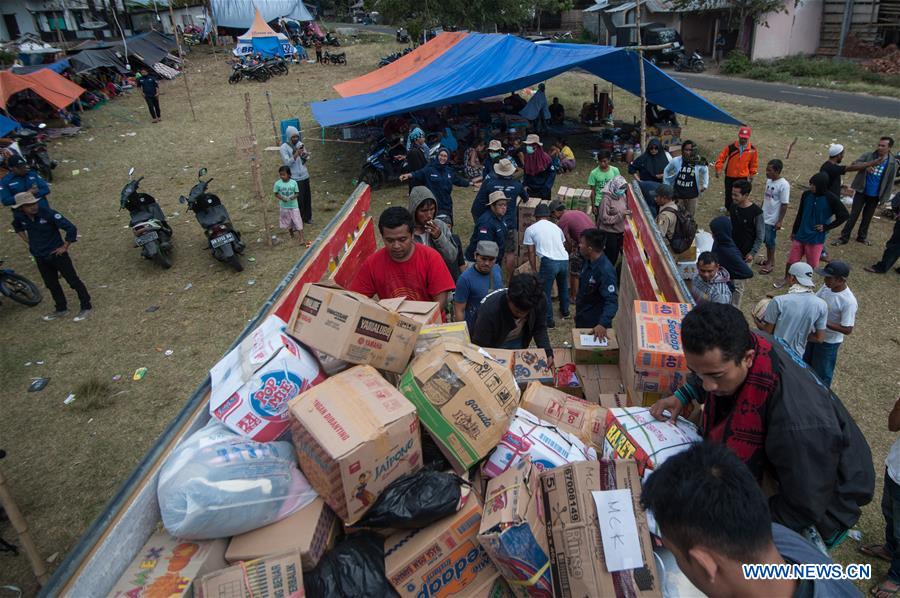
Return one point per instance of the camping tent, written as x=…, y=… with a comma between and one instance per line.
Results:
x=88, y=60
x=57, y=67
x=149, y=47
x=240, y=13
x=459, y=67
x=262, y=39
x=56, y=89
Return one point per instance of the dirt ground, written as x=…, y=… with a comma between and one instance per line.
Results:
x=64, y=462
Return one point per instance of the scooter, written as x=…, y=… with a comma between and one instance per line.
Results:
x=402, y=36
x=18, y=288
x=34, y=149
x=382, y=164
x=693, y=62
x=223, y=239
x=148, y=223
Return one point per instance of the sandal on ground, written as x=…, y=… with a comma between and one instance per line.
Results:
x=877, y=551
x=880, y=591
x=766, y=270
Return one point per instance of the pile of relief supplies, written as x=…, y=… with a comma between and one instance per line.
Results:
x=366, y=449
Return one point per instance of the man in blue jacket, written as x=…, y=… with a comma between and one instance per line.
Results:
x=491, y=225
x=21, y=178
x=40, y=228
x=597, y=300
x=502, y=180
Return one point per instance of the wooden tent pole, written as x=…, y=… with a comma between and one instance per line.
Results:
x=184, y=70
x=38, y=566
x=255, y=168
x=272, y=118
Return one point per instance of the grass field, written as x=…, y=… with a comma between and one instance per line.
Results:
x=65, y=462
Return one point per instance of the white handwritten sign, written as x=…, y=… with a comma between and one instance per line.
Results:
x=618, y=529
x=589, y=340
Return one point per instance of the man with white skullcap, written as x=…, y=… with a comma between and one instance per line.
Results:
x=834, y=169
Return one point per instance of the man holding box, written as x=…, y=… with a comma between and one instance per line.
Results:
x=764, y=404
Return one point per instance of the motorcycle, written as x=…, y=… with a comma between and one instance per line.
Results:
x=33, y=146
x=221, y=235
x=331, y=40
x=385, y=163
x=402, y=36
x=237, y=73
x=148, y=223
x=693, y=62
x=18, y=288
x=329, y=58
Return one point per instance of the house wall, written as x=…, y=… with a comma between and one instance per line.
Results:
x=794, y=32
x=23, y=18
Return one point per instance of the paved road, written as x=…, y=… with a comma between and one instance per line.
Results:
x=791, y=94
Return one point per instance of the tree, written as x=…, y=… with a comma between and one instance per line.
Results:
x=742, y=12
x=419, y=15
x=550, y=6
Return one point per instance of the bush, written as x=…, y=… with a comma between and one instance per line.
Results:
x=7, y=58
x=736, y=63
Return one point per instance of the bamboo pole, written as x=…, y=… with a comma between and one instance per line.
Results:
x=184, y=70
x=255, y=168
x=38, y=566
x=637, y=29
x=272, y=118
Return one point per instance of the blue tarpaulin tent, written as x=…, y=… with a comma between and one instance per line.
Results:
x=478, y=65
x=7, y=124
x=239, y=13
x=262, y=39
x=57, y=67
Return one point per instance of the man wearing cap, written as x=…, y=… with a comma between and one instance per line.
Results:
x=834, y=169
x=548, y=257
x=739, y=160
x=476, y=283
x=21, y=178
x=871, y=187
x=491, y=225
x=295, y=156
x=502, y=180
x=39, y=228
x=572, y=223
x=842, y=306
x=799, y=315
x=597, y=300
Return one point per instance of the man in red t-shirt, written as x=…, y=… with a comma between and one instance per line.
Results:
x=572, y=223
x=403, y=268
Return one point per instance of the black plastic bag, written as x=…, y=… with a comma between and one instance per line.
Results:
x=352, y=569
x=414, y=501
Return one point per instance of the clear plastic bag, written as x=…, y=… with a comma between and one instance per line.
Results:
x=218, y=484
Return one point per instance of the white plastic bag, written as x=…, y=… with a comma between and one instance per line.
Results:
x=218, y=484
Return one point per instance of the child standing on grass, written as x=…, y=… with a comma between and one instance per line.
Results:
x=286, y=190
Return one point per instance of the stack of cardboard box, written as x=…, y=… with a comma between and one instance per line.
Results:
x=575, y=199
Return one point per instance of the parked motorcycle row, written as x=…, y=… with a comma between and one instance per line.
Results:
x=386, y=60
x=329, y=58
x=258, y=70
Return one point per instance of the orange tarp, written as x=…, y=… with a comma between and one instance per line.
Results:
x=259, y=27
x=56, y=89
x=402, y=68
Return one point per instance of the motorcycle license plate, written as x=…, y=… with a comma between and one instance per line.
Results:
x=676, y=44
x=221, y=240
x=147, y=238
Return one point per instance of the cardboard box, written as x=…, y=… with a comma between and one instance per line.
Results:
x=443, y=559
x=608, y=355
x=577, y=552
x=539, y=440
x=464, y=398
x=424, y=312
x=599, y=381
x=279, y=575
x=513, y=531
x=312, y=530
x=428, y=335
x=253, y=383
x=526, y=212
x=658, y=343
x=568, y=413
x=167, y=566
x=531, y=365
x=354, y=435
x=354, y=328
x=492, y=588
x=505, y=357
x=632, y=433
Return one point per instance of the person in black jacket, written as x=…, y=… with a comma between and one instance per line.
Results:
x=510, y=318
x=730, y=257
x=769, y=408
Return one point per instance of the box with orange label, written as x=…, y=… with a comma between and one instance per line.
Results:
x=657, y=340
x=443, y=559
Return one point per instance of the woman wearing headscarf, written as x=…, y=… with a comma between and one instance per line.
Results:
x=295, y=156
x=439, y=176
x=414, y=133
x=611, y=217
x=417, y=155
x=730, y=257
x=538, y=166
x=648, y=170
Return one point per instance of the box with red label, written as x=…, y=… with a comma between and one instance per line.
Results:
x=632, y=433
x=657, y=336
x=443, y=559
x=354, y=435
x=568, y=413
x=253, y=383
x=424, y=312
x=167, y=566
x=354, y=328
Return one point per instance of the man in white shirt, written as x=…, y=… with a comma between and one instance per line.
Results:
x=797, y=316
x=546, y=242
x=842, y=306
x=775, y=203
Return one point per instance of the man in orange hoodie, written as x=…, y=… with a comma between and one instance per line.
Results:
x=740, y=161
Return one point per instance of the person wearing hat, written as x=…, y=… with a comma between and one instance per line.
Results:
x=835, y=169
x=295, y=156
x=538, y=166
x=440, y=177
x=502, y=180
x=572, y=223
x=842, y=307
x=546, y=245
x=430, y=231
x=21, y=178
x=476, y=283
x=491, y=225
x=798, y=316
x=597, y=300
x=40, y=228
x=762, y=402
x=740, y=160
x=493, y=153
x=599, y=177
x=871, y=187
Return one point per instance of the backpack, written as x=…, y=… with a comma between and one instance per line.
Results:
x=685, y=231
